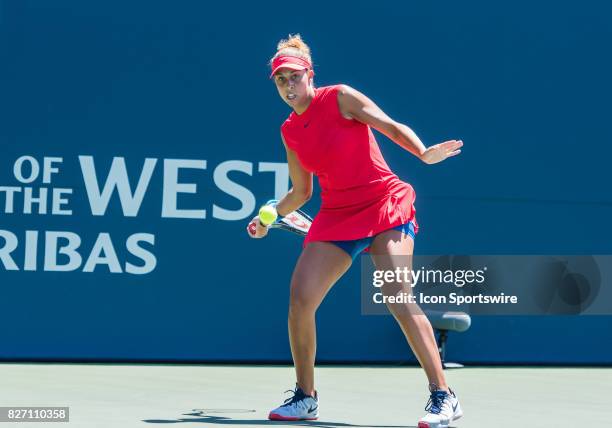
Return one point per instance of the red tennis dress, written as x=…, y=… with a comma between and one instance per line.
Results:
x=360, y=196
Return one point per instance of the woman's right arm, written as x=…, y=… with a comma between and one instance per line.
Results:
x=298, y=195
x=301, y=181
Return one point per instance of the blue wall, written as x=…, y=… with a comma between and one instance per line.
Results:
x=526, y=86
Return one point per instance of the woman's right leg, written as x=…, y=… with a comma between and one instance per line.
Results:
x=320, y=265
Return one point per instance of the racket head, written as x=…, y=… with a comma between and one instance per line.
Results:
x=297, y=222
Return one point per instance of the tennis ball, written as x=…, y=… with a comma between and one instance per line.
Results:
x=267, y=215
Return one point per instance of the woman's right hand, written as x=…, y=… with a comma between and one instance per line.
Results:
x=255, y=229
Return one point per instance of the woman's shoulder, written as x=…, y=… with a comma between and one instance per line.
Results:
x=328, y=95
x=291, y=117
x=331, y=89
x=334, y=92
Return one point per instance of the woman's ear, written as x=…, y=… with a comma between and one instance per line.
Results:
x=311, y=77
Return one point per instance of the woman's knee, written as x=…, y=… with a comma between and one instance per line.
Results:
x=405, y=310
x=301, y=302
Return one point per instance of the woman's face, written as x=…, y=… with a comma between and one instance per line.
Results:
x=293, y=85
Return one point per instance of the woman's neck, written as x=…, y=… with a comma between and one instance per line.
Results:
x=310, y=96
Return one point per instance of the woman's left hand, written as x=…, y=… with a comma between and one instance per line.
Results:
x=439, y=152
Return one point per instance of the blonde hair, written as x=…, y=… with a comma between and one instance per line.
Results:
x=294, y=46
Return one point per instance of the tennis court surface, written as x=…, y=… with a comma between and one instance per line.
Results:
x=100, y=395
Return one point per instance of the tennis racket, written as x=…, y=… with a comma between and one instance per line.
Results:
x=297, y=222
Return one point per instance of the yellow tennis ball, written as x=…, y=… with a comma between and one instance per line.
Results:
x=267, y=214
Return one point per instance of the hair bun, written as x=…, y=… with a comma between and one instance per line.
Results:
x=294, y=41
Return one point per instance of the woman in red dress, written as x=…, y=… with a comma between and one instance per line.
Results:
x=363, y=205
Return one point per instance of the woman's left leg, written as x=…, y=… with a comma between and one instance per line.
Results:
x=390, y=250
x=394, y=249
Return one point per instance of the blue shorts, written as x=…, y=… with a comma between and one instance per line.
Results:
x=354, y=247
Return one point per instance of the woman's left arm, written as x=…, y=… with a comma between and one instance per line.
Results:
x=355, y=105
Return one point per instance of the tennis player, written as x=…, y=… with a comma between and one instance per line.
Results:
x=364, y=205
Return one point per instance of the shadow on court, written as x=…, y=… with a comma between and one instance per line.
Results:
x=207, y=418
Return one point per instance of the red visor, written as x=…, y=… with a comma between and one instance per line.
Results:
x=292, y=62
